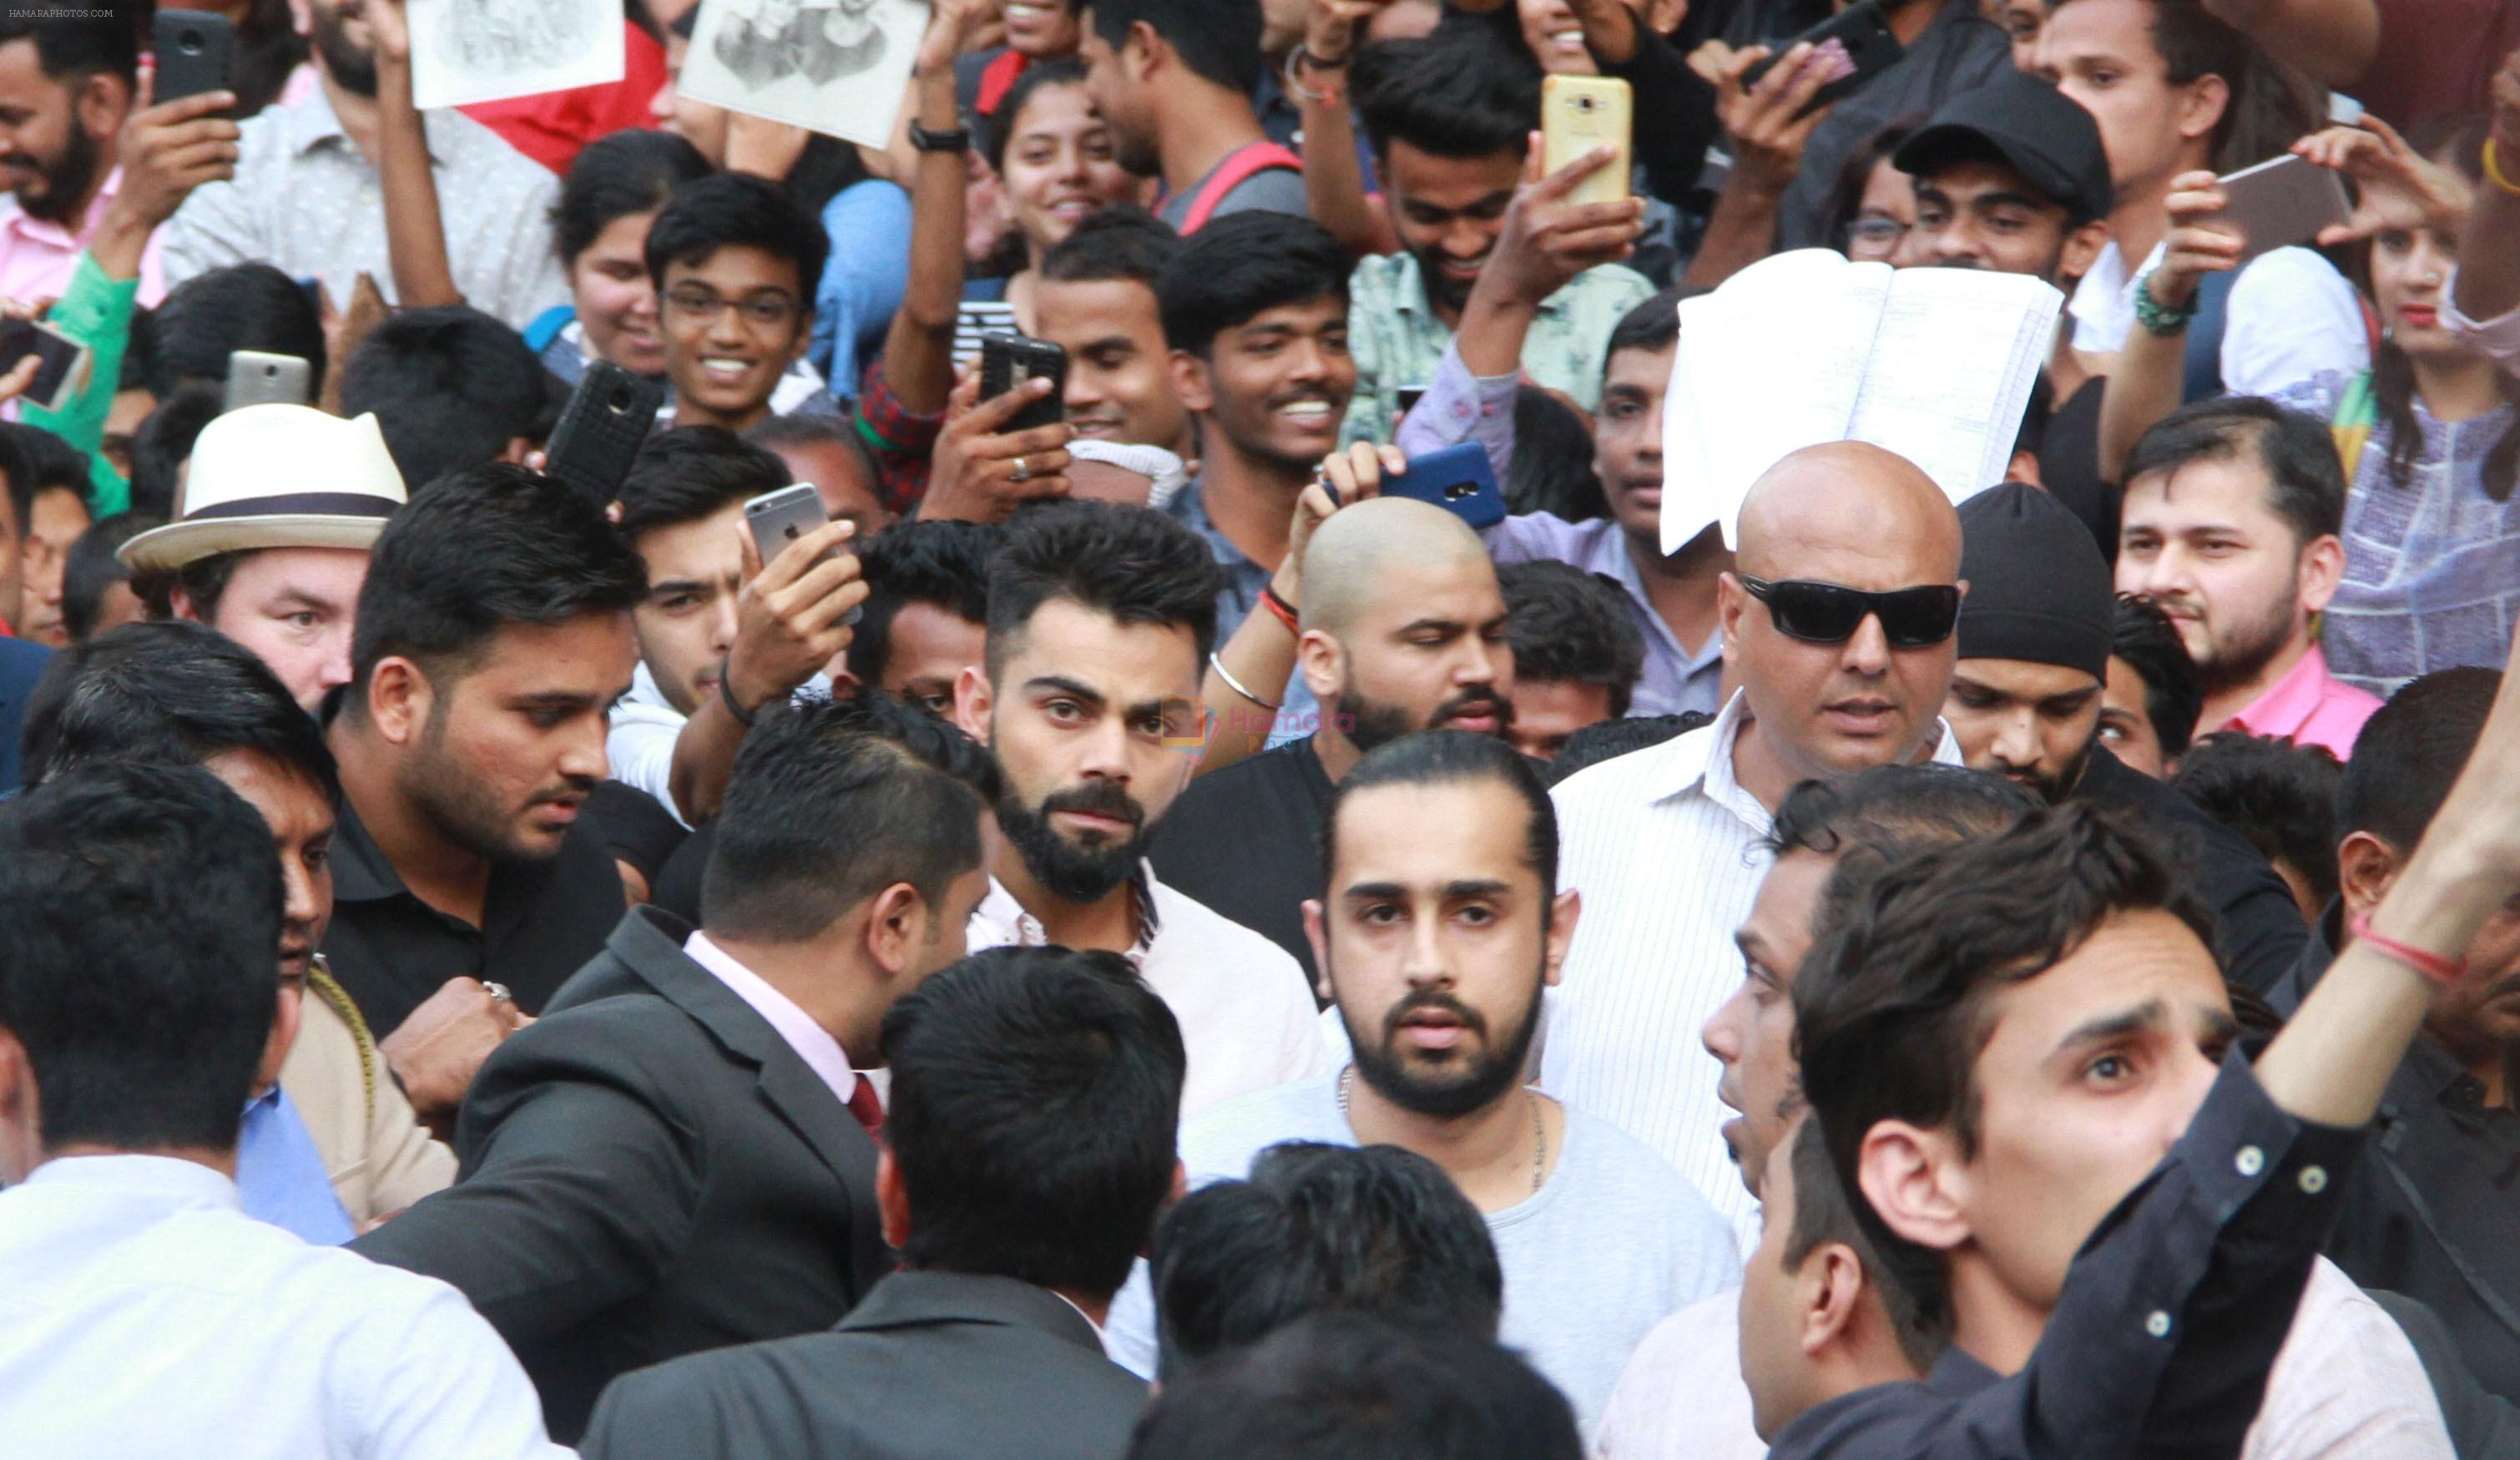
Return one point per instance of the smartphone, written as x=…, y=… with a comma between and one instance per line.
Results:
x=1007, y=360
x=1409, y=395
x=193, y=50
x=1456, y=479
x=1869, y=42
x=57, y=377
x=1578, y=114
x=258, y=379
x=778, y=518
x=600, y=430
x=2280, y=202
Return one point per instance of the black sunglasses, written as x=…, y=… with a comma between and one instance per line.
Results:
x=1828, y=614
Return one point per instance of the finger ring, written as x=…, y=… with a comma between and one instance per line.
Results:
x=1021, y=472
x=498, y=992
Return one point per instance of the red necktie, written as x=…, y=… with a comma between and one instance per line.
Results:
x=864, y=1105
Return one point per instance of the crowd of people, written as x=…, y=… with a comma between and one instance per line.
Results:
x=1143, y=935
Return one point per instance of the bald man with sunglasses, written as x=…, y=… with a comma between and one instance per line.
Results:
x=1837, y=624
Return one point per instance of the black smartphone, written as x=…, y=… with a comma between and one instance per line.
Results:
x=599, y=432
x=1861, y=28
x=195, y=48
x=1007, y=360
x=57, y=377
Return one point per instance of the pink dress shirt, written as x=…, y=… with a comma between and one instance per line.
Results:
x=2310, y=706
x=35, y=257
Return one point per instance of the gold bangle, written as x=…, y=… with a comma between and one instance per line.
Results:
x=2494, y=170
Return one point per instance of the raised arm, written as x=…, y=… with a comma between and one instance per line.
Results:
x=919, y=348
x=1767, y=130
x=2146, y=384
x=2489, y=252
x=415, y=232
x=1318, y=79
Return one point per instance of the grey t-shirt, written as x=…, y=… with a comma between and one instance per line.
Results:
x=1614, y=1243
x=1275, y=189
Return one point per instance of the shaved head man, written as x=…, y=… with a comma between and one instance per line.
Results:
x=1402, y=629
x=1837, y=623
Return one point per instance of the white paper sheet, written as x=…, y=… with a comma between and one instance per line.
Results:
x=467, y=51
x=838, y=67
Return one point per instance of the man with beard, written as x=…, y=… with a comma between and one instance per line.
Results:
x=308, y=180
x=67, y=86
x=1174, y=80
x=2232, y=520
x=1402, y=629
x=1099, y=619
x=1437, y=926
x=2025, y=704
x=1450, y=119
x=493, y=631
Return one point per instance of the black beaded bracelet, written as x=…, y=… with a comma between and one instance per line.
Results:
x=726, y=697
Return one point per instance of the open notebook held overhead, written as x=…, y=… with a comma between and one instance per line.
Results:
x=1803, y=347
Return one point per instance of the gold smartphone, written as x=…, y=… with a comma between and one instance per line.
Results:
x=1578, y=114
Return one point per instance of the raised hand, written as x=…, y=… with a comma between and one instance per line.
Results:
x=2400, y=187
x=980, y=471
x=2195, y=245
x=1767, y=121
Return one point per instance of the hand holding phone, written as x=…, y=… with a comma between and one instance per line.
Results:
x=601, y=429
x=1008, y=360
x=802, y=591
x=1579, y=115
x=256, y=378
x=60, y=360
x=2280, y=202
x=1861, y=35
x=194, y=51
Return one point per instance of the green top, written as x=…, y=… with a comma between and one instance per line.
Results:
x=1397, y=340
x=96, y=312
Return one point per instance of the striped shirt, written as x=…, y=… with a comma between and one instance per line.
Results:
x=1663, y=843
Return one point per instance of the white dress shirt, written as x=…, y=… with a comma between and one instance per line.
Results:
x=1663, y=844
x=143, y=1315
x=2291, y=315
x=1247, y=1020
x=812, y=1042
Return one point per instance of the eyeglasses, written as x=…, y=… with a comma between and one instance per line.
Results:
x=1828, y=614
x=1881, y=234
x=705, y=306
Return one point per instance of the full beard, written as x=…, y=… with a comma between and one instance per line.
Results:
x=1066, y=870
x=1459, y=1086
x=351, y=69
x=1371, y=725
x=66, y=182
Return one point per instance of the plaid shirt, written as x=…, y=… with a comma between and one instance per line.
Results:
x=902, y=439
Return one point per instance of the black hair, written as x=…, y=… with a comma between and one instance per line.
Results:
x=141, y=908
x=2279, y=796
x=1219, y=40
x=1131, y=563
x=18, y=464
x=944, y=564
x=1348, y=1387
x=691, y=471
x=731, y=209
x=2305, y=479
x=809, y=429
x=482, y=548
x=1608, y=739
x=1896, y=808
x=1036, y=1093
x=211, y=315
x=2270, y=106
x=1823, y=1213
x=1452, y=758
x=832, y=802
x=1845, y=198
x=1653, y=325
x=172, y=692
x=1552, y=469
x=1568, y=625
x=2410, y=755
x=94, y=565
x=1890, y=1002
x=1117, y=241
x=2148, y=641
x=1241, y=266
x=1318, y=1228
x=55, y=464
x=2455, y=140
x=73, y=45
x=450, y=387
x=1461, y=92
x=998, y=128
x=615, y=177
x=163, y=441
x=826, y=167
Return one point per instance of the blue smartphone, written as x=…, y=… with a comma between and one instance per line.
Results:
x=1456, y=479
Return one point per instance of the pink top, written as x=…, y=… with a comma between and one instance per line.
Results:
x=812, y=1042
x=35, y=257
x=2310, y=706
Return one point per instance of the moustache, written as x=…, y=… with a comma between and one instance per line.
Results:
x=575, y=789
x=1097, y=798
x=1420, y=1000
x=1475, y=701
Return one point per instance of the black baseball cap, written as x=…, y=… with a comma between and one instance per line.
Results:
x=2029, y=125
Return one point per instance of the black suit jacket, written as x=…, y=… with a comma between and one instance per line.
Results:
x=21, y=664
x=647, y=1171
x=932, y=1366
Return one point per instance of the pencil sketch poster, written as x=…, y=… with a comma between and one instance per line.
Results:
x=828, y=66
x=467, y=51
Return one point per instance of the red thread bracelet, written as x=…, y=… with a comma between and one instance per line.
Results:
x=1278, y=608
x=2432, y=966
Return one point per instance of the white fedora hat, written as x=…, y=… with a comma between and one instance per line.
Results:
x=277, y=476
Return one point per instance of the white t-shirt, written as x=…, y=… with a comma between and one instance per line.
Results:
x=1612, y=1243
x=2291, y=316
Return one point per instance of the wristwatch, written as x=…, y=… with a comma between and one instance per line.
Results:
x=952, y=139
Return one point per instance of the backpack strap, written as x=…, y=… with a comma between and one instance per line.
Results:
x=546, y=327
x=2358, y=411
x=1246, y=162
x=2203, y=374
